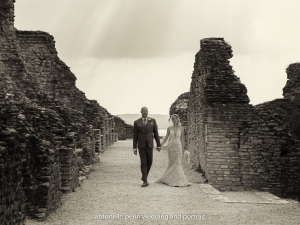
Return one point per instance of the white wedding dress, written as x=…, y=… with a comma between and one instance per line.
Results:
x=174, y=175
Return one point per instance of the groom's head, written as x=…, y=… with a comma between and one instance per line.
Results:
x=144, y=112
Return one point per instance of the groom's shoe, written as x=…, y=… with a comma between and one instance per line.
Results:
x=145, y=184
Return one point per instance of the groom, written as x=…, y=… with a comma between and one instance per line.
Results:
x=143, y=131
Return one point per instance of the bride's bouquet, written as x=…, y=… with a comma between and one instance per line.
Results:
x=187, y=156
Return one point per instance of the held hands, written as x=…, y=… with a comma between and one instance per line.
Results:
x=159, y=148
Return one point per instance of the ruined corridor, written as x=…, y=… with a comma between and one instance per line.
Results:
x=113, y=188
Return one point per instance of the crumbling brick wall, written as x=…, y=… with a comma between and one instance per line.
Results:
x=239, y=146
x=216, y=100
x=44, y=122
x=179, y=107
x=268, y=151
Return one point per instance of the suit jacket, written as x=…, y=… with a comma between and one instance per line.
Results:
x=143, y=134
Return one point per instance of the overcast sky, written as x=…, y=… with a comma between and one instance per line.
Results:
x=132, y=53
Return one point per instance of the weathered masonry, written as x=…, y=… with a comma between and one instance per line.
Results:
x=179, y=107
x=237, y=145
x=123, y=130
x=49, y=130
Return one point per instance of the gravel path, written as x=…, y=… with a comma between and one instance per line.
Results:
x=113, y=190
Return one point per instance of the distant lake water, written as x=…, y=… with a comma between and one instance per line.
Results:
x=162, y=132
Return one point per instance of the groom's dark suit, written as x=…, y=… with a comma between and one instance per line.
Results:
x=143, y=138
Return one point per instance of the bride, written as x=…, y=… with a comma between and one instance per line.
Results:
x=174, y=175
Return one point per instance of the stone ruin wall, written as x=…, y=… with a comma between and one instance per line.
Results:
x=122, y=129
x=179, y=107
x=236, y=145
x=49, y=130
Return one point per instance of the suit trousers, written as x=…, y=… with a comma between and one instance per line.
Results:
x=146, y=156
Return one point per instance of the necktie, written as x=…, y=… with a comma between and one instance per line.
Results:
x=145, y=121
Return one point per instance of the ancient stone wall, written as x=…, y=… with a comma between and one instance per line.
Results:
x=47, y=125
x=268, y=149
x=291, y=90
x=216, y=99
x=122, y=129
x=52, y=79
x=179, y=107
x=97, y=137
x=30, y=147
x=7, y=18
x=12, y=194
x=239, y=146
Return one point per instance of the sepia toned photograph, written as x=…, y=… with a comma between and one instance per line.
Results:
x=149, y=112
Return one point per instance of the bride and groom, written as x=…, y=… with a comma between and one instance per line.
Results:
x=144, y=130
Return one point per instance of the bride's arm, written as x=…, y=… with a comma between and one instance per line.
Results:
x=166, y=137
x=182, y=138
